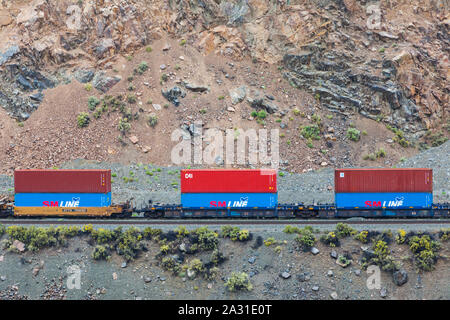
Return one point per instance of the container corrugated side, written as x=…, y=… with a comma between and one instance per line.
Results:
x=386, y=200
x=72, y=200
x=231, y=200
x=225, y=180
x=383, y=180
x=62, y=181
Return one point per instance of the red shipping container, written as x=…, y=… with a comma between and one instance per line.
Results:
x=62, y=181
x=228, y=180
x=383, y=180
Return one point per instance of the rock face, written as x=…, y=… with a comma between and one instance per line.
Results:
x=328, y=75
x=384, y=73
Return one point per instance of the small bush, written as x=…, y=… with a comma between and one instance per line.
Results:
x=83, y=119
x=100, y=253
x=401, y=236
x=363, y=236
x=124, y=125
x=152, y=120
x=169, y=264
x=235, y=233
x=425, y=251
x=306, y=240
x=93, y=102
x=149, y=49
x=239, y=281
x=131, y=98
x=206, y=239
x=142, y=67
x=311, y=132
x=344, y=230
x=330, y=239
x=182, y=42
x=88, y=87
x=444, y=234
x=353, y=134
x=380, y=153
x=269, y=241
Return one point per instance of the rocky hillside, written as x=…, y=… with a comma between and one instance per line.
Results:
x=346, y=82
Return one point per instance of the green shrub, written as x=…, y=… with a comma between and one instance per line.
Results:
x=290, y=229
x=124, y=125
x=381, y=153
x=182, y=231
x=149, y=49
x=169, y=264
x=152, y=234
x=142, y=67
x=182, y=42
x=152, y=120
x=207, y=240
x=425, y=251
x=235, y=233
x=88, y=86
x=444, y=234
x=306, y=240
x=239, y=281
x=269, y=241
x=311, y=132
x=344, y=230
x=401, y=236
x=83, y=119
x=103, y=236
x=129, y=243
x=2, y=230
x=131, y=98
x=362, y=236
x=100, y=253
x=330, y=239
x=353, y=134
x=93, y=102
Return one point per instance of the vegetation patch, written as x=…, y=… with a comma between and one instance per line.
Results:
x=353, y=134
x=425, y=251
x=83, y=119
x=239, y=281
x=306, y=240
x=330, y=239
x=235, y=233
x=311, y=132
x=343, y=230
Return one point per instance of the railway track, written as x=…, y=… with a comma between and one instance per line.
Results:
x=140, y=221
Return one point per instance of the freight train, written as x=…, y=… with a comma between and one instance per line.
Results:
x=222, y=193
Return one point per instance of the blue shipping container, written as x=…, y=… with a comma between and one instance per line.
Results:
x=388, y=200
x=229, y=200
x=72, y=200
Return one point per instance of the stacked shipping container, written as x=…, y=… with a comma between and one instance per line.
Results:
x=217, y=189
x=383, y=188
x=62, y=188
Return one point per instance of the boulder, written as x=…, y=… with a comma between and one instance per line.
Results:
x=195, y=87
x=400, y=277
x=103, y=83
x=237, y=94
x=173, y=95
